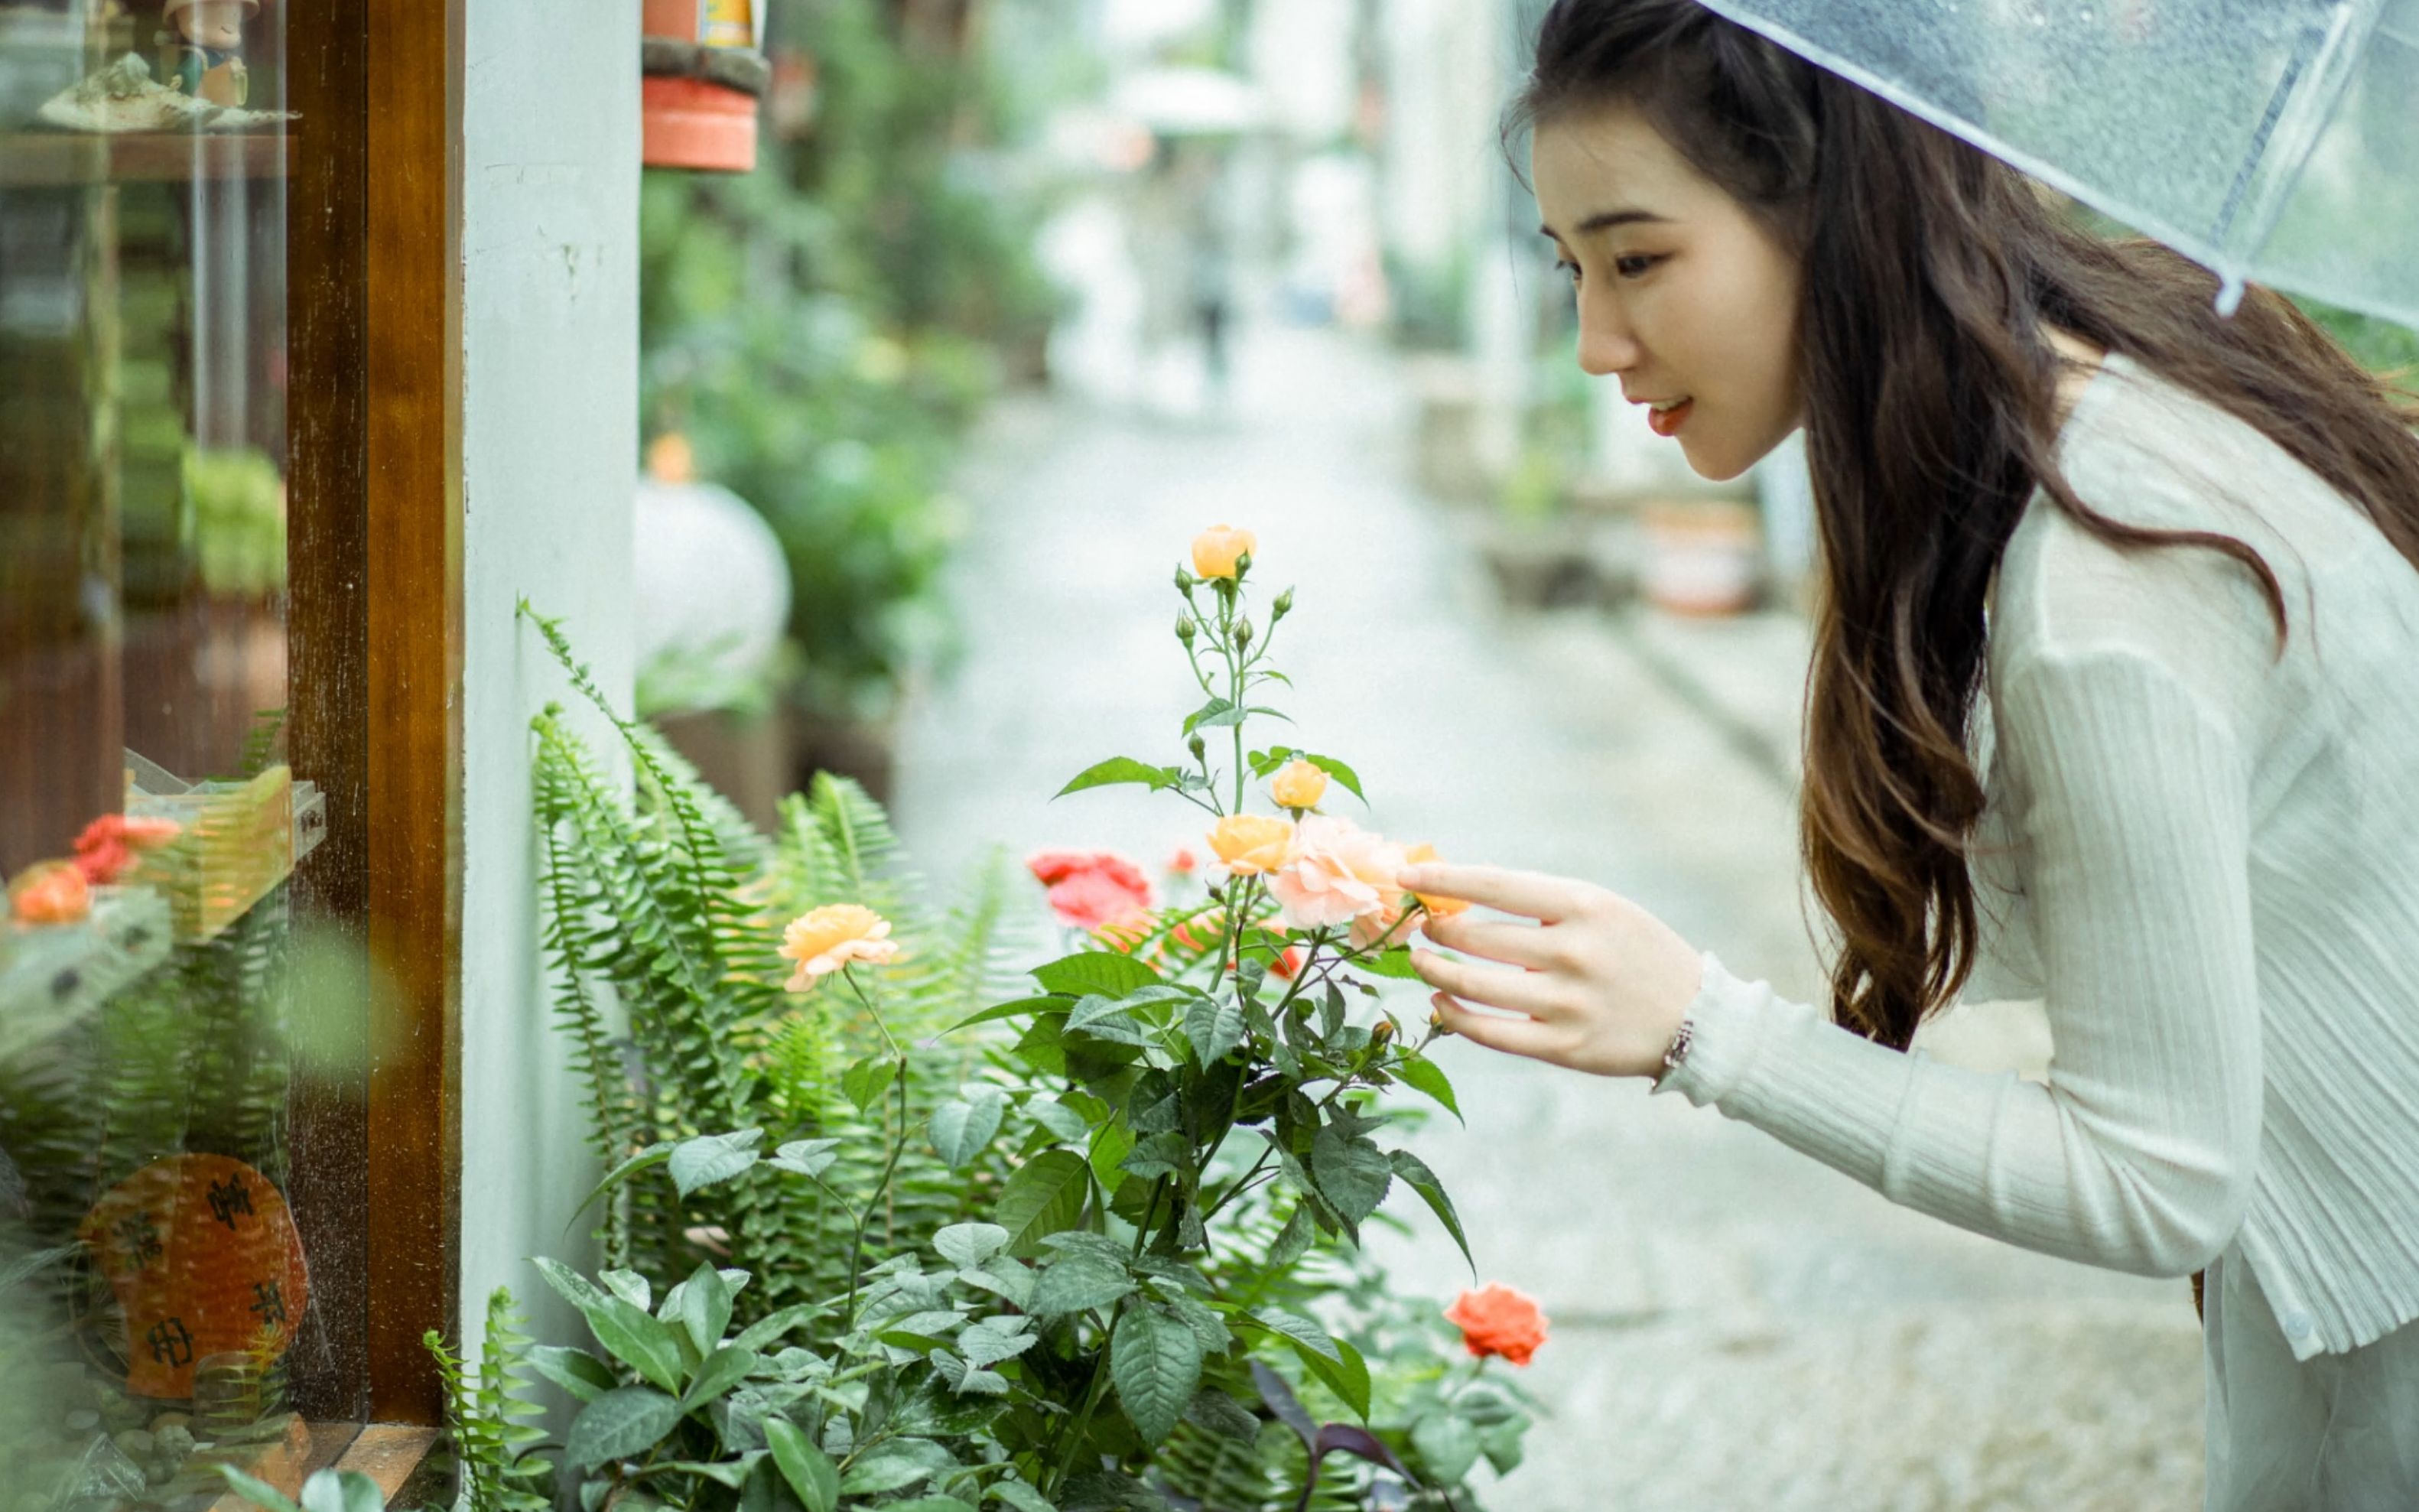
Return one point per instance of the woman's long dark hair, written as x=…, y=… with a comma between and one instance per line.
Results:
x=1929, y=270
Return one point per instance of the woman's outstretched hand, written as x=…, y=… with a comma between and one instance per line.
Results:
x=1597, y=983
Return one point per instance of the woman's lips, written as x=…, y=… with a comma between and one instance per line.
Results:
x=1667, y=422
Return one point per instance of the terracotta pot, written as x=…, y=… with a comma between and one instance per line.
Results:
x=690, y=123
x=694, y=115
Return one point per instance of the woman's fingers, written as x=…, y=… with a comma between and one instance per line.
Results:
x=1516, y=1036
x=1518, y=945
x=1533, y=894
x=1504, y=987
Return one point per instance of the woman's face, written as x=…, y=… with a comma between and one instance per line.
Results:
x=1682, y=295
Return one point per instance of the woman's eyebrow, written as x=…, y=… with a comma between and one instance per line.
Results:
x=1607, y=219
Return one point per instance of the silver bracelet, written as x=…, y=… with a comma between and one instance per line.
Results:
x=1678, y=1051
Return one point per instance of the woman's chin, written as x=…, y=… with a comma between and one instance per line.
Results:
x=1713, y=464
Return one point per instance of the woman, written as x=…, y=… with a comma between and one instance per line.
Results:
x=2115, y=702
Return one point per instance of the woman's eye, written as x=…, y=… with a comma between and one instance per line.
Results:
x=1634, y=265
x=1568, y=269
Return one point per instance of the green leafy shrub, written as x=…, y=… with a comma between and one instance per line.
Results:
x=824, y=328
x=1088, y=1241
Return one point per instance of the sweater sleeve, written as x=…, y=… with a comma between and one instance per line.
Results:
x=2138, y=1152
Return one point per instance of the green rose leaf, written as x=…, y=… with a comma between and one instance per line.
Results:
x=938, y=1504
x=1156, y=1155
x=970, y=1243
x=1417, y=1175
x=1061, y=1120
x=1077, y=1281
x=994, y=1339
x=626, y=1332
x=1155, y=1362
x=1042, y=1197
x=1104, y=972
x=1352, y=1173
x=864, y=1083
x=1293, y=1240
x=1219, y=1413
x=708, y=1159
x=1215, y=1028
x=1502, y=1445
x=1118, y=770
x=1394, y=961
x=1010, y=1010
x=1019, y=1496
x=629, y=1285
x=1348, y=1376
x=622, y=1423
x=705, y=1308
x=724, y=1368
x=1214, y=711
x=806, y=1157
x=342, y=1490
x=1447, y=1445
x=652, y=1155
x=1342, y=774
x=1299, y=1329
x=773, y=1326
x=576, y=1371
x=963, y=1128
x=885, y=1470
x=1428, y=1078
x=809, y=1471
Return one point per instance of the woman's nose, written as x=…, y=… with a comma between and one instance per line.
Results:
x=1606, y=345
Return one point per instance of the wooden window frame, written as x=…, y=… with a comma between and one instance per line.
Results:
x=375, y=489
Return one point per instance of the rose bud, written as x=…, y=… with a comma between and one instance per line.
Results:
x=1223, y=551
x=1299, y=785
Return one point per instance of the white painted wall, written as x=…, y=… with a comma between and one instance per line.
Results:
x=549, y=248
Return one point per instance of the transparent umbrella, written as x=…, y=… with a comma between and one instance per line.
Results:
x=2271, y=140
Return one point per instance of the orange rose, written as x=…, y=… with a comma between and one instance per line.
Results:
x=832, y=936
x=1217, y=549
x=51, y=893
x=1498, y=1319
x=1443, y=908
x=1297, y=785
x=1251, y=843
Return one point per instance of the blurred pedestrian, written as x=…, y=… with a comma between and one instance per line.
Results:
x=2113, y=706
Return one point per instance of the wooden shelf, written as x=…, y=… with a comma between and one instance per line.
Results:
x=61, y=158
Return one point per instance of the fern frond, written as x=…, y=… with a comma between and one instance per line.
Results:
x=490, y=1412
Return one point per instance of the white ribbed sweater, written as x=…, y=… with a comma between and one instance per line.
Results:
x=2204, y=860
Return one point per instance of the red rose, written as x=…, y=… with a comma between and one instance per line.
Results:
x=1498, y=1319
x=1093, y=889
x=110, y=843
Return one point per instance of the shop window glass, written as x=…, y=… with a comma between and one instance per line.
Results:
x=172, y=1000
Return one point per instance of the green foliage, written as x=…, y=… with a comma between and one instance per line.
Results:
x=2379, y=346
x=327, y=1491
x=823, y=328
x=493, y=1439
x=971, y=1226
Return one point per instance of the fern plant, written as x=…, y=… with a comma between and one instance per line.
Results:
x=491, y=1415
x=661, y=906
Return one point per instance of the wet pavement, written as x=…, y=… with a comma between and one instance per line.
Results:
x=1735, y=1325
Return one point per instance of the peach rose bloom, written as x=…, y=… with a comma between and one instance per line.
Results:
x=1338, y=874
x=830, y=938
x=1297, y=785
x=51, y=893
x=1251, y=844
x=1498, y=1319
x=1436, y=904
x=1216, y=550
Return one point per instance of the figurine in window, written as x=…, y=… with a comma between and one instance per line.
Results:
x=202, y=48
